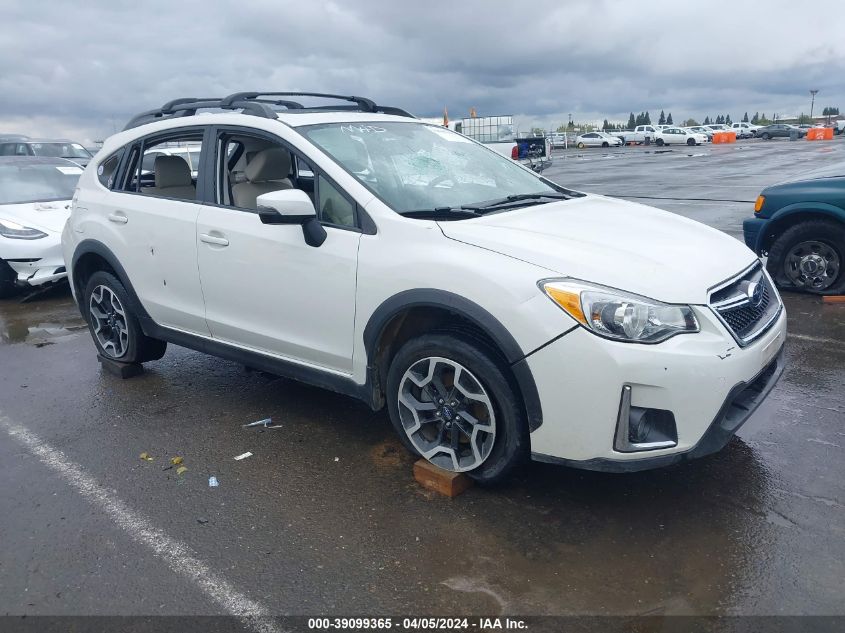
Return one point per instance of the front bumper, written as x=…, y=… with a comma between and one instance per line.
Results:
x=35, y=262
x=705, y=380
x=752, y=229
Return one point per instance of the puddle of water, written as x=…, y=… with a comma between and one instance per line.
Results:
x=39, y=323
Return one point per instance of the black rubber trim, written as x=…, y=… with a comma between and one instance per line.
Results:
x=740, y=403
x=498, y=333
x=256, y=360
x=295, y=371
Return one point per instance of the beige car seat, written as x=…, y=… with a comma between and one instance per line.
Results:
x=172, y=178
x=267, y=171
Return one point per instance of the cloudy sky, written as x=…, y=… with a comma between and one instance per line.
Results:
x=81, y=68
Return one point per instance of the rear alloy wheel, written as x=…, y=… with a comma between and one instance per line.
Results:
x=690, y=141
x=765, y=136
x=114, y=328
x=810, y=257
x=580, y=146
x=452, y=403
x=605, y=144
x=7, y=281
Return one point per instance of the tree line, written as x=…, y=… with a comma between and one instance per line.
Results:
x=644, y=118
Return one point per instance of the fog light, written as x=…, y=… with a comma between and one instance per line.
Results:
x=643, y=429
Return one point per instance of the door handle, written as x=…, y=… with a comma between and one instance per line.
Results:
x=118, y=217
x=213, y=239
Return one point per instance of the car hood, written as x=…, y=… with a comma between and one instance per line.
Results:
x=49, y=216
x=615, y=243
x=814, y=188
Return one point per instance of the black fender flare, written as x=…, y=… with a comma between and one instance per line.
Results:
x=94, y=247
x=472, y=312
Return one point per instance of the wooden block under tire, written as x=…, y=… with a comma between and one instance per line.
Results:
x=833, y=299
x=121, y=370
x=439, y=480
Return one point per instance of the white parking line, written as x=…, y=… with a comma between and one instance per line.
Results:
x=175, y=554
x=816, y=339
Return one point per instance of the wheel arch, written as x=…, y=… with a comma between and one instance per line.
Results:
x=794, y=214
x=411, y=312
x=91, y=256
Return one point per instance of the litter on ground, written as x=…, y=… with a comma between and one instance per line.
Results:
x=146, y=457
x=267, y=423
x=242, y=456
x=212, y=482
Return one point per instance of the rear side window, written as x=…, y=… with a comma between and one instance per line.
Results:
x=106, y=170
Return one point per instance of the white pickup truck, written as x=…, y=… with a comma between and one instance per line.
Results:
x=640, y=134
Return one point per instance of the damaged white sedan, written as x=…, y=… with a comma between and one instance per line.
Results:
x=35, y=196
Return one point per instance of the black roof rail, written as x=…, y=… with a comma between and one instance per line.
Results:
x=253, y=103
x=366, y=105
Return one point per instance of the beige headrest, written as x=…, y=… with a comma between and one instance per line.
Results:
x=269, y=164
x=171, y=171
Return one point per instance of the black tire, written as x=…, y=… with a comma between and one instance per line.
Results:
x=690, y=141
x=8, y=288
x=605, y=144
x=826, y=232
x=580, y=146
x=139, y=348
x=765, y=136
x=511, y=443
x=660, y=142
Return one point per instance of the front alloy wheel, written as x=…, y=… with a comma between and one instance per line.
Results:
x=108, y=321
x=453, y=401
x=447, y=414
x=812, y=265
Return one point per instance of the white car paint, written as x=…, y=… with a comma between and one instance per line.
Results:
x=679, y=136
x=597, y=139
x=266, y=291
x=47, y=217
x=32, y=216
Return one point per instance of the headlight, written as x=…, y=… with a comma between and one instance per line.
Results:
x=16, y=231
x=619, y=315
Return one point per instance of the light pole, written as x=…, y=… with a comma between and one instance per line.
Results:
x=813, y=94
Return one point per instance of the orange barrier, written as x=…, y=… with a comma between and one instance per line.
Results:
x=724, y=137
x=820, y=134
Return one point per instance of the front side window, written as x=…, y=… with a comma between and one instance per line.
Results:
x=333, y=206
x=21, y=183
x=414, y=166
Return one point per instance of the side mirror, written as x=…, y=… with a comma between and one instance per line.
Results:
x=292, y=206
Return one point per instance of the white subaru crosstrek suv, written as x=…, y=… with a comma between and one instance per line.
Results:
x=494, y=313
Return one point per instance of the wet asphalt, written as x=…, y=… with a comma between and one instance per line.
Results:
x=326, y=519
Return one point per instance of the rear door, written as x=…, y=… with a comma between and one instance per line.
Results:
x=266, y=289
x=152, y=220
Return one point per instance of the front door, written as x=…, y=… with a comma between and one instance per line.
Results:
x=266, y=289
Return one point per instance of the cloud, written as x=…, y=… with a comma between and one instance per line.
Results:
x=83, y=69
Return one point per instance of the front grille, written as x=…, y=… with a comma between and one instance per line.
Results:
x=738, y=308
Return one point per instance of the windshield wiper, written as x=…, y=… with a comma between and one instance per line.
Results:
x=442, y=213
x=515, y=198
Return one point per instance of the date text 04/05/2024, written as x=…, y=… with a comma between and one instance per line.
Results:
x=418, y=624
